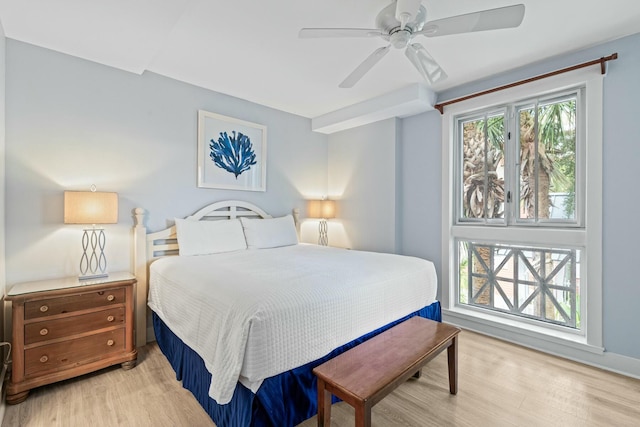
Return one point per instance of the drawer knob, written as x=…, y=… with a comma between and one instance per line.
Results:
x=110, y=298
x=110, y=343
x=44, y=308
x=44, y=359
x=110, y=318
x=44, y=331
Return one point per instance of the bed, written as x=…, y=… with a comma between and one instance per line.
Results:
x=243, y=326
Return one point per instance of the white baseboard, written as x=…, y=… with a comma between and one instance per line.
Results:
x=613, y=362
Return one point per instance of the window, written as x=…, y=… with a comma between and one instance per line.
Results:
x=516, y=167
x=546, y=133
x=520, y=250
x=530, y=159
x=481, y=156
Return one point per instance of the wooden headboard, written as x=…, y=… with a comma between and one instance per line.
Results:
x=149, y=247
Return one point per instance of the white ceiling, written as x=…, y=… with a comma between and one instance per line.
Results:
x=250, y=48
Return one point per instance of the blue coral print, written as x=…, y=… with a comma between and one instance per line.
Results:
x=233, y=153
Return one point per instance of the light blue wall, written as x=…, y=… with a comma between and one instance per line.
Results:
x=621, y=282
x=621, y=285
x=71, y=123
x=420, y=210
x=362, y=177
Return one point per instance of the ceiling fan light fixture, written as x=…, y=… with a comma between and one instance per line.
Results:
x=400, y=39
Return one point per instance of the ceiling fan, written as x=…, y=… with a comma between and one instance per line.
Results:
x=402, y=20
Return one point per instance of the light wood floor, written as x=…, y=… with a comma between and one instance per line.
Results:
x=500, y=384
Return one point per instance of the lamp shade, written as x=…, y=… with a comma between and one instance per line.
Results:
x=90, y=207
x=322, y=209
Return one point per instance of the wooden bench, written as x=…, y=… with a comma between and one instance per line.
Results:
x=365, y=374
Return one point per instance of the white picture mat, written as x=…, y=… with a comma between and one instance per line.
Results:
x=210, y=125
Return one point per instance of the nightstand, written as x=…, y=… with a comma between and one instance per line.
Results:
x=66, y=327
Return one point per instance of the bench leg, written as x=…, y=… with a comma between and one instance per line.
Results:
x=363, y=415
x=324, y=405
x=418, y=374
x=452, y=356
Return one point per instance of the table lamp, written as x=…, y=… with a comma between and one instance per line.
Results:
x=323, y=209
x=91, y=207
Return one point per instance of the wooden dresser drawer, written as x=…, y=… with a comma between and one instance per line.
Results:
x=54, y=306
x=47, y=330
x=54, y=357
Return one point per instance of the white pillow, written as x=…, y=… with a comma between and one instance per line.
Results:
x=209, y=237
x=270, y=232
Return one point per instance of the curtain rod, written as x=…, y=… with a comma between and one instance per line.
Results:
x=440, y=106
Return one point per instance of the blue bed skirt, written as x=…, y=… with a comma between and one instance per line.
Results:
x=283, y=400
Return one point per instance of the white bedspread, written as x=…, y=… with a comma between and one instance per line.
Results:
x=253, y=314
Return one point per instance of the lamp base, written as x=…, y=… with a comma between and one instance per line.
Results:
x=323, y=235
x=92, y=276
x=93, y=263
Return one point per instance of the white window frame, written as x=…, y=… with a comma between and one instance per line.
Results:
x=588, y=237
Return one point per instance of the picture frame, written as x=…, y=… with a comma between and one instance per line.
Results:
x=232, y=153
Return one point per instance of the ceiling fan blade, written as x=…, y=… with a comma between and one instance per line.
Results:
x=311, y=33
x=424, y=63
x=491, y=19
x=364, y=67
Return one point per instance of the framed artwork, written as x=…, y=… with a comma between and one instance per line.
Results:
x=232, y=153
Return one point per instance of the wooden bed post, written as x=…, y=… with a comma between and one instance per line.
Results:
x=140, y=271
